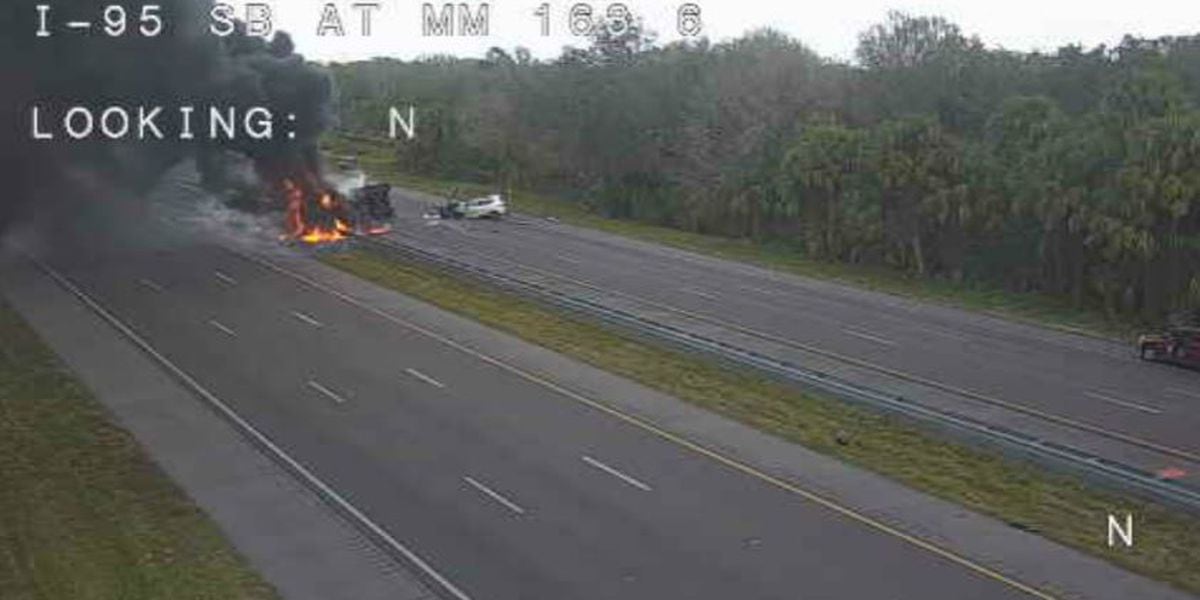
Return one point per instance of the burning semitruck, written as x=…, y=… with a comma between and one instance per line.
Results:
x=316, y=213
x=372, y=203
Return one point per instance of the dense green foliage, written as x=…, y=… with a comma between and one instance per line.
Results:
x=1073, y=173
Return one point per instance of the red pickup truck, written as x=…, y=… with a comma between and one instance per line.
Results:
x=1180, y=346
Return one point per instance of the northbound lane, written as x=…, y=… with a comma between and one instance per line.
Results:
x=1086, y=393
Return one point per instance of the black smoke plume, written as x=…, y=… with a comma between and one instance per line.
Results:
x=185, y=65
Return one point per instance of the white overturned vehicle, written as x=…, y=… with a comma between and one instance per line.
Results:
x=487, y=207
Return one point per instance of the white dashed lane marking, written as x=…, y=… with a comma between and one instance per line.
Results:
x=146, y=283
x=326, y=391
x=1125, y=403
x=701, y=293
x=615, y=473
x=494, y=495
x=759, y=290
x=867, y=336
x=1182, y=392
x=222, y=328
x=307, y=319
x=425, y=378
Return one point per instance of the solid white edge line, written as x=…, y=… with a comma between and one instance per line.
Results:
x=257, y=435
x=494, y=495
x=222, y=328
x=1125, y=403
x=224, y=278
x=615, y=473
x=650, y=427
x=306, y=318
x=424, y=377
x=867, y=336
x=312, y=383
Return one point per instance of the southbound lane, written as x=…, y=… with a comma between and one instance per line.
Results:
x=509, y=488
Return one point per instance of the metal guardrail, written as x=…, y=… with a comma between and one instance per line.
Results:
x=1111, y=474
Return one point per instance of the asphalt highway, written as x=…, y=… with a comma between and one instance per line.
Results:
x=1068, y=388
x=502, y=485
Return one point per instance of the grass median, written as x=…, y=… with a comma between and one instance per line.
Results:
x=1060, y=508
x=376, y=157
x=84, y=514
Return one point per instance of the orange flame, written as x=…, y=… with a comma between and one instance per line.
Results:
x=296, y=221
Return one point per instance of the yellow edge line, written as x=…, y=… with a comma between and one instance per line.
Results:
x=662, y=433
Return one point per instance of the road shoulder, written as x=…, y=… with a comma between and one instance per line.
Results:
x=285, y=531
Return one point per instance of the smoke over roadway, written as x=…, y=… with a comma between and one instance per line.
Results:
x=183, y=65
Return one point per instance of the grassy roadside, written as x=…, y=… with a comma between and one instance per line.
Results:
x=376, y=159
x=84, y=514
x=1059, y=508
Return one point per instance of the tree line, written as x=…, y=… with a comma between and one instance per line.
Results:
x=1074, y=173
